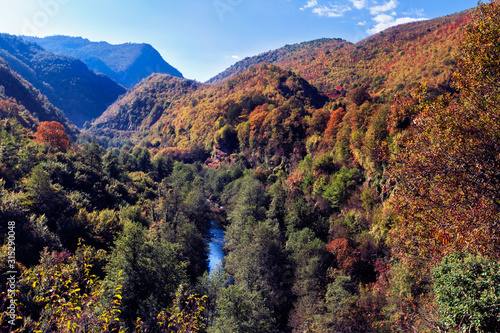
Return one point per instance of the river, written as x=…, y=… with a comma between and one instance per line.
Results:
x=216, y=246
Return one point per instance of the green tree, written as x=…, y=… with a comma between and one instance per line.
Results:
x=144, y=161
x=111, y=165
x=467, y=289
x=93, y=153
x=149, y=271
x=242, y=311
x=163, y=166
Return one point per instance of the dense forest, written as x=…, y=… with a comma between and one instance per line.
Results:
x=364, y=206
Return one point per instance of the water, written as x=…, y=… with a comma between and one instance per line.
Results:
x=215, y=245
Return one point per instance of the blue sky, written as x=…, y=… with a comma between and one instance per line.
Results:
x=203, y=37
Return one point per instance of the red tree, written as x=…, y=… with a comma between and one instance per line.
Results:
x=54, y=134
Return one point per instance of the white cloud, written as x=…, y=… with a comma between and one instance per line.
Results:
x=235, y=57
x=359, y=4
x=310, y=4
x=361, y=23
x=415, y=11
x=375, y=10
x=385, y=21
x=329, y=10
x=383, y=18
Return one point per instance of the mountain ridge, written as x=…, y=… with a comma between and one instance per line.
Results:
x=67, y=82
x=20, y=100
x=126, y=63
x=380, y=66
x=329, y=62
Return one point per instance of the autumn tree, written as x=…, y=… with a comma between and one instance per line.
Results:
x=448, y=166
x=54, y=134
x=358, y=96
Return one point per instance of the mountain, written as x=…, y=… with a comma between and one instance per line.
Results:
x=127, y=63
x=389, y=61
x=166, y=112
x=314, y=77
x=142, y=106
x=66, y=81
x=20, y=100
x=373, y=208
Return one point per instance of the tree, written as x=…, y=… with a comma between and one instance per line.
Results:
x=467, y=291
x=93, y=152
x=110, y=164
x=163, y=166
x=241, y=310
x=358, y=96
x=144, y=161
x=54, y=134
x=188, y=313
x=150, y=272
x=39, y=191
x=448, y=166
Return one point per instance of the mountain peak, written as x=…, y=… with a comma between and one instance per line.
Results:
x=126, y=63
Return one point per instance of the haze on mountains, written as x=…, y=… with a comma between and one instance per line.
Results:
x=357, y=185
x=66, y=81
x=127, y=64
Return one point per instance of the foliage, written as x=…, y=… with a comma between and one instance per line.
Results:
x=395, y=59
x=67, y=296
x=447, y=193
x=53, y=133
x=187, y=314
x=467, y=291
x=293, y=170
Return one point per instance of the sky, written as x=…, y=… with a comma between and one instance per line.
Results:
x=201, y=38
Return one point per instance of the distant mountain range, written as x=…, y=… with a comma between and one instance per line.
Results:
x=68, y=83
x=126, y=63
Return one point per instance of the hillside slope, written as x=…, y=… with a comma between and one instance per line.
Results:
x=165, y=112
x=127, y=63
x=20, y=100
x=389, y=61
x=333, y=68
x=67, y=82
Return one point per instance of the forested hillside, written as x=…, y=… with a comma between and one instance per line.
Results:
x=127, y=64
x=359, y=205
x=67, y=82
x=395, y=59
x=21, y=101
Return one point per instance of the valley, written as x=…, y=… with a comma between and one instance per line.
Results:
x=325, y=186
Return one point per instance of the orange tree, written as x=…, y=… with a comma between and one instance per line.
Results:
x=54, y=134
x=447, y=168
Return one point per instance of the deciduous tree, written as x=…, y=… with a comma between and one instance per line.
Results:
x=54, y=134
x=448, y=167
